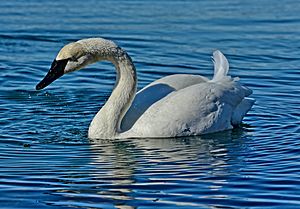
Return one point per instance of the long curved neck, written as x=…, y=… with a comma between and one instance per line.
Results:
x=106, y=123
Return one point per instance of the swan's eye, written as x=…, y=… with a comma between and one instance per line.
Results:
x=73, y=59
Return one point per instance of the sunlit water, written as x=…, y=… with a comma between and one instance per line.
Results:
x=47, y=161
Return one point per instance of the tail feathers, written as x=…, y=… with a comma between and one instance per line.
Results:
x=241, y=110
x=221, y=65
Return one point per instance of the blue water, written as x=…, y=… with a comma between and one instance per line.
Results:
x=47, y=161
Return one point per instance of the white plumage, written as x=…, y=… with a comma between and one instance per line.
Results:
x=173, y=106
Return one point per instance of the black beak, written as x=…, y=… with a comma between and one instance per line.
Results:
x=56, y=71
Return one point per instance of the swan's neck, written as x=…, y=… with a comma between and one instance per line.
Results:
x=106, y=123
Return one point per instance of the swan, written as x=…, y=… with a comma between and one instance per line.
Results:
x=173, y=106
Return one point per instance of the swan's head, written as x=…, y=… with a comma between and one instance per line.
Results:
x=75, y=56
x=71, y=57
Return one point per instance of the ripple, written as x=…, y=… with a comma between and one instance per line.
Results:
x=47, y=160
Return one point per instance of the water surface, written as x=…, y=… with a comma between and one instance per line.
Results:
x=47, y=161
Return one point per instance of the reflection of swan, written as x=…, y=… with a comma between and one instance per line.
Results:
x=176, y=105
x=163, y=168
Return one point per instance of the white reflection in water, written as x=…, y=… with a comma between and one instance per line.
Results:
x=162, y=165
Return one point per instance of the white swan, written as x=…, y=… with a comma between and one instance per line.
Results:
x=173, y=106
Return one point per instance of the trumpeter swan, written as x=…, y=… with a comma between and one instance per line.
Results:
x=173, y=106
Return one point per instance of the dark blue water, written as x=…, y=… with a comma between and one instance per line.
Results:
x=47, y=161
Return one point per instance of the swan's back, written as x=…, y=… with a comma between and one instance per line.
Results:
x=156, y=91
x=204, y=106
x=198, y=109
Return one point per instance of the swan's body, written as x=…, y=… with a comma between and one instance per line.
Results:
x=176, y=105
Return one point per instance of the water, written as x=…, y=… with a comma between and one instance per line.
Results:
x=47, y=161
